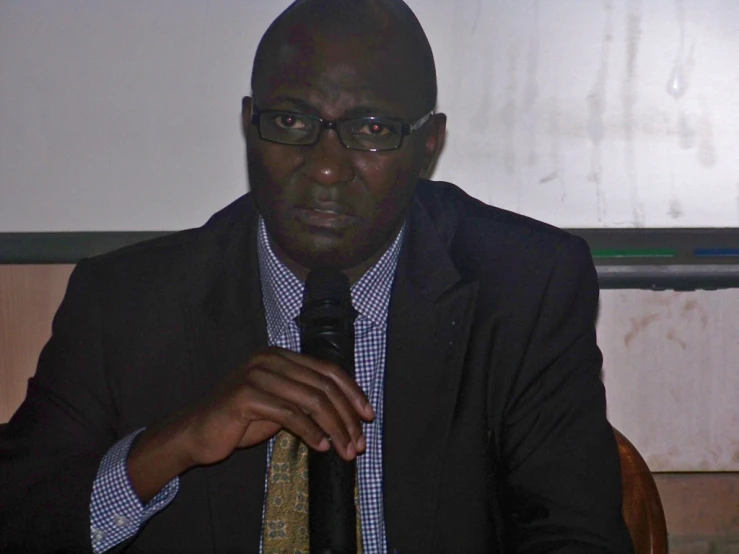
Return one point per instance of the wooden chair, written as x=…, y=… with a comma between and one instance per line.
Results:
x=642, y=506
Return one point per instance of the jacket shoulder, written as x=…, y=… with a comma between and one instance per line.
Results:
x=476, y=232
x=216, y=229
x=174, y=263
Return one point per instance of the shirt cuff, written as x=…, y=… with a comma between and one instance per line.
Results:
x=116, y=512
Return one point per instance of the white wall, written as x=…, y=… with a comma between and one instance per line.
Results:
x=671, y=370
x=125, y=115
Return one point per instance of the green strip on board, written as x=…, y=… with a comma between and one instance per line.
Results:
x=634, y=253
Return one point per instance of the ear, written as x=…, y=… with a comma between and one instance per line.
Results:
x=246, y=111
x=434, y=143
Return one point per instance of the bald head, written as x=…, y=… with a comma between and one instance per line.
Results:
x=385, y=29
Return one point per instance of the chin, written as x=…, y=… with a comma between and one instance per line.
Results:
x=335, y=259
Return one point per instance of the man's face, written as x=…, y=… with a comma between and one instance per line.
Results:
x=326, y=205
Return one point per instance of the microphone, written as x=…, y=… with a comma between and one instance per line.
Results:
x=327, y=333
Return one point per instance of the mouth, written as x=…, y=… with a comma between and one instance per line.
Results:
x=325, y=215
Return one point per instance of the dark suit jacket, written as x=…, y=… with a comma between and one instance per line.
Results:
x=496, y=437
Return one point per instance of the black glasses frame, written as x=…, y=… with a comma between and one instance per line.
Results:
x=324, y=124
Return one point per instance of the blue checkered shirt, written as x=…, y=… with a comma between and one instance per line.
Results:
x=282, y=293
x=116, y=511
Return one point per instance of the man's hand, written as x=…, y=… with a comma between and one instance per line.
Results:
x=276, y=389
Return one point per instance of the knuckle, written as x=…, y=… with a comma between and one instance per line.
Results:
x=272, y=352
x=289, y=412
x=330, y=368
x=327, y=386
x=241, y=417
x=239, y=410
x=314, y=433
x=262, y=358
x=319, y=402
x=256, y=372
x=321, y=366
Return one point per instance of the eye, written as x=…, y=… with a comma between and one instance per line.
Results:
x=374, y=129
x=289, y=121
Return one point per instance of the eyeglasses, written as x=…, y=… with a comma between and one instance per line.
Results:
x=370, y=134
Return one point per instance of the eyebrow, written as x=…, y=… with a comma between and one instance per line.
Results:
x=357, y=111
x=299, y=104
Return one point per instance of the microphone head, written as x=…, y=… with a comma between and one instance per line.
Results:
x=327, y=285
x=327, y=317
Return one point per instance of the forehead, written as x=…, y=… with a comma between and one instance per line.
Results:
x=334, y=73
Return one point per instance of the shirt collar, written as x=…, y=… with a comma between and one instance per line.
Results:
x=371, y=294
x=282, y=291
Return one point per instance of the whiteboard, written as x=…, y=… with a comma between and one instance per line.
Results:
x=124, y=116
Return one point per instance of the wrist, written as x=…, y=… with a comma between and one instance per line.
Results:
x=157, y=456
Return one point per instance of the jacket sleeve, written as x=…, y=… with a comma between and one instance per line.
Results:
x=563, y=481
x=51, y=449
x=116, y=512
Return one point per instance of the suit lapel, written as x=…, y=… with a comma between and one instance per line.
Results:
x=226, y=327
x=430, y=316
x=429, y=321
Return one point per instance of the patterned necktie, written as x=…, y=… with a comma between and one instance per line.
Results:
x=286, y=513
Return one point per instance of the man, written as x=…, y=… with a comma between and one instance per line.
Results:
x=478, y=416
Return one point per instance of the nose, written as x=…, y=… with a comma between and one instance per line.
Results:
x=327, y=162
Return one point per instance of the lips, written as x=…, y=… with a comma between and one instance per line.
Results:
x=325, y=215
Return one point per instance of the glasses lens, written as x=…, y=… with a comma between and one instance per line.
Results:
x=371, y=133
x=288, y=128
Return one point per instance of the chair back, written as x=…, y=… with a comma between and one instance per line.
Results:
x=642, y=507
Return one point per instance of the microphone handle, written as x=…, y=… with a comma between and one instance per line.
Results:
x=332, y=512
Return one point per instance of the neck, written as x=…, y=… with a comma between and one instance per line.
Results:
x=354, y=274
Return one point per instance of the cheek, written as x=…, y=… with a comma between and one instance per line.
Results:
x=270, y=168
x=389, y=183
x=282, y=161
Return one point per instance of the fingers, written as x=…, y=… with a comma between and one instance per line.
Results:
x=276, y=413
x=347, y=385
x=311, y=398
